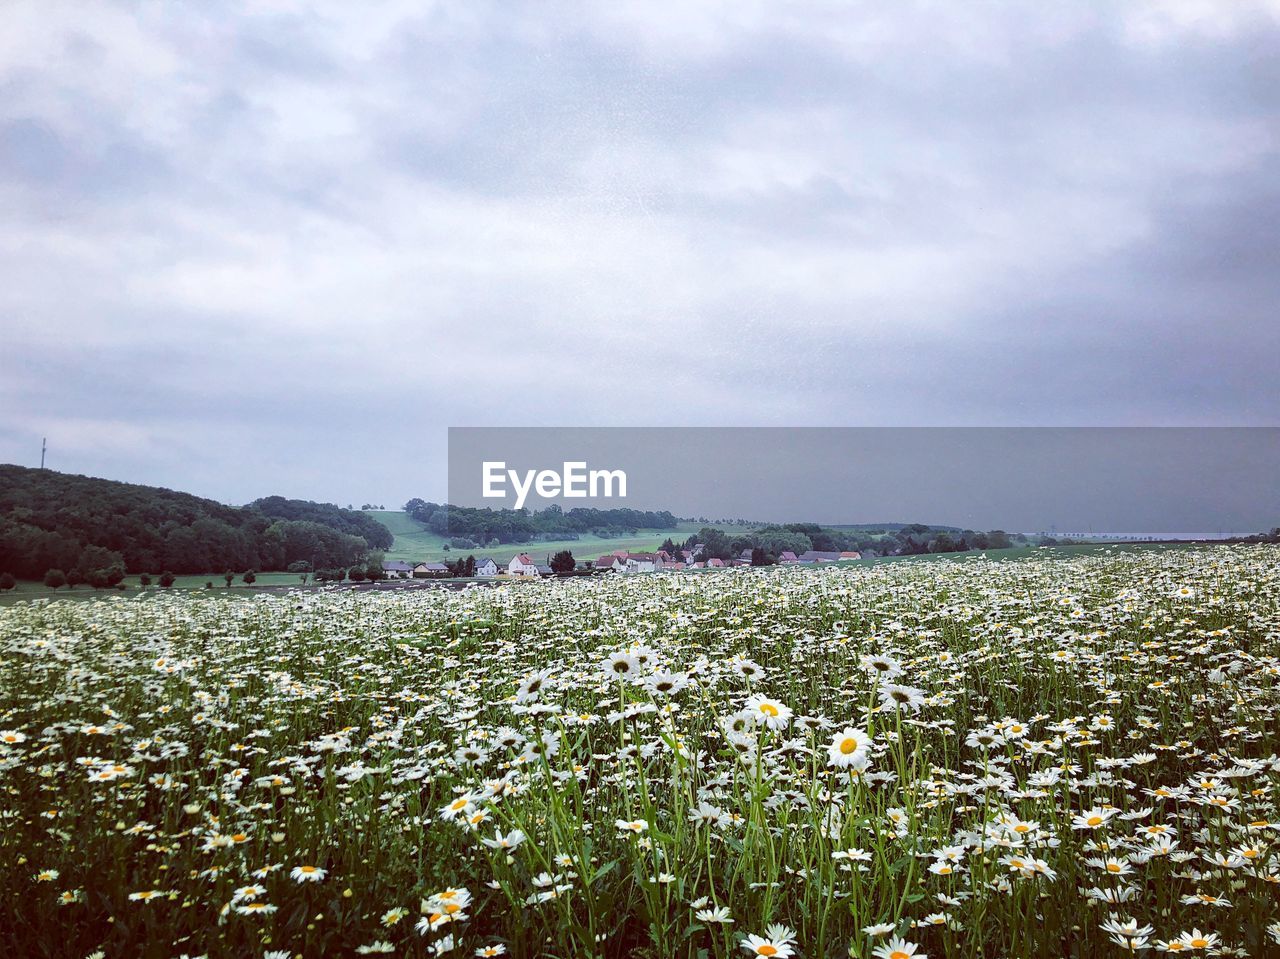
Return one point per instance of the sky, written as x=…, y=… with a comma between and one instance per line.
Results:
x=279, y=248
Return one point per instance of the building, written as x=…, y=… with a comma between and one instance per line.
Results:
x=610, y=563
x=486, y=567
x=397, y=570
x=522, y=565
x=640, y=563
x=430, y=570
x=818, y=556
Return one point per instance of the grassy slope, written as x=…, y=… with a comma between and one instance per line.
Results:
x=416, y=544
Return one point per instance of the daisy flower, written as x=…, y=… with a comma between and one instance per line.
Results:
x=759, y=946
x=898, y=948
x=849, y=749
x=768, y=712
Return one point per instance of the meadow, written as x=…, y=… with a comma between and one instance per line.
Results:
x=1057, y=755
x=415, y=543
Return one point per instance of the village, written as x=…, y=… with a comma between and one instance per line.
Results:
x=619, y=561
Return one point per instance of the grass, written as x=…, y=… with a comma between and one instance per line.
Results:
x=1067, y=753
x=415, y=543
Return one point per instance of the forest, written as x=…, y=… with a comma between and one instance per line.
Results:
x=81, y=524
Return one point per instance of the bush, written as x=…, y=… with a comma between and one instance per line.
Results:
x=7, y=582
x=356, y=575
x=55, y=578
x=144, y=580
x=166, y=579
x=250, y=577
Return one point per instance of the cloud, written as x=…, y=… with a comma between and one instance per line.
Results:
x=334, y=231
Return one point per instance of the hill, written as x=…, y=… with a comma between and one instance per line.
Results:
x=51, y=520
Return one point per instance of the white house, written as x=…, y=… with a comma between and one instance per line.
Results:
x=397, y=570
x=486, y=567
x=522, y=565
x=640, y=563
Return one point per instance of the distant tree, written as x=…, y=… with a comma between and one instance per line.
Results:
x=144, y=580
x=7, y=582
x=716, y=542
x=250, y=577
x=300, y=566
x=760, y=558
x=356, y=575
x=942, y=543
x=97, y=578
x=229, y=575
x=998, y=539
x=563, y=562
x=166, y=579
x=55, y=578
x=74, y=577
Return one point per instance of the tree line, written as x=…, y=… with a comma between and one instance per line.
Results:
x=468, y=526
x=83, y=526
x=769, y=542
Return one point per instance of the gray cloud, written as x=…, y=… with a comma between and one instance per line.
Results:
x=314, y=236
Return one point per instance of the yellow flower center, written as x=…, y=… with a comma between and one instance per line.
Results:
x=1095, y=820
x=848, y=745
x=766, y=950
x=769, y=709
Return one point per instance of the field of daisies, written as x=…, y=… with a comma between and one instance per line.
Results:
x=1055, y=756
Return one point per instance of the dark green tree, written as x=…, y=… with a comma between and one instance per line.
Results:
x=166, y=579
x=563, y=562
x=7, y=582
x=55, y=578
x=250, y=577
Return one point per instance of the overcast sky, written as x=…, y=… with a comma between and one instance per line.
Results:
x=280, y=247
